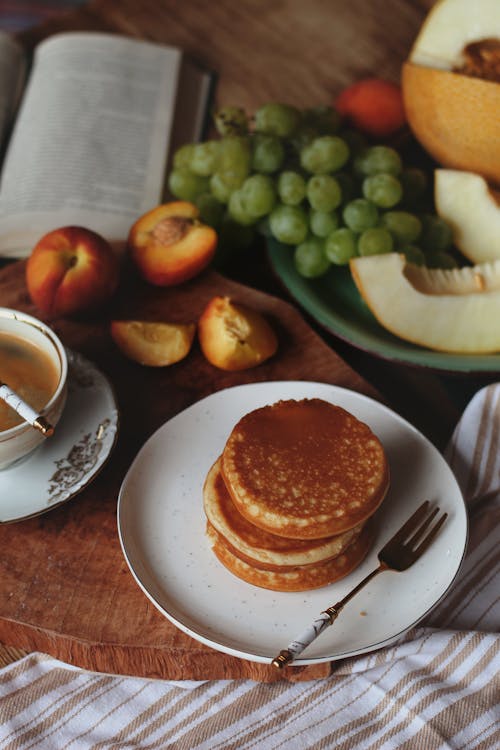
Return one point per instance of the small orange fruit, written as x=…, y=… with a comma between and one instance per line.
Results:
x=373, y=106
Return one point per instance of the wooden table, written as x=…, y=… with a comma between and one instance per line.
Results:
x=302, y=53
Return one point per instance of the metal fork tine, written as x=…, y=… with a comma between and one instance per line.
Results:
x=430, y=536
x=422, y=529
x=410, y=524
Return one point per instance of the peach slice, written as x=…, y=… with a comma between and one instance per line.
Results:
x=451, y=85
x=472, y=210
x=155, y=344
x=453, y=310
x=233, y=336
x=170, y=245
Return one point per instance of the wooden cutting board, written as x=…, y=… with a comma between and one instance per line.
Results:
x=65, y=588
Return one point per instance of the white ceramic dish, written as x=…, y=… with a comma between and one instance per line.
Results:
x=162, y=532
x=71, y=458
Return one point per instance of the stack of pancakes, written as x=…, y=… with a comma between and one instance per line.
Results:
x=289, y=500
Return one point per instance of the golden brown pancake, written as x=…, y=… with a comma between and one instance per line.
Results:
x=299, y=579
x=304, y=469
x=256, y=546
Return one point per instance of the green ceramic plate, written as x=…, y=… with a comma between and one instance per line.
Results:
x=334, y=302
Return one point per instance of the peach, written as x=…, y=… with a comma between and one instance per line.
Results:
x=373, y=105
x=70, y=270
x=155, y=344
x=169, y=244
x=233, y=336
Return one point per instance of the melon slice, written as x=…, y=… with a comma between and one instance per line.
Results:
x=450, y=26
x=472, y=210
x=455, y=310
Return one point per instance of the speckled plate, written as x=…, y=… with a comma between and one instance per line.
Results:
x=161, y=525
x=68, y=461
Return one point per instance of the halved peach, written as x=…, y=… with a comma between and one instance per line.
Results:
x=155, y=344
x=233, y=336
x=169, y=244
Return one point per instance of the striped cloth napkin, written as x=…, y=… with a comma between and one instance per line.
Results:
x=438, y=687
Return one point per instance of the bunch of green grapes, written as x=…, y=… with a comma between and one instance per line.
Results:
x=297, y=176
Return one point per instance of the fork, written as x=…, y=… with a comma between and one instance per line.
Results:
x=401, y=551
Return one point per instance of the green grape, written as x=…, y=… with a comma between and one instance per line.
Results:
x=237, y=209
x=328, y=153
x=360, y=214
x=231, y=121
x=323, y=192
x=414, y=254
x=377, y=159
x=186, y=185
x=323, y=223
x=436, y=234
x=205, y=158
x=414, y=182
x=211, y=210
x=304, y=135
x=268, y=153
x=291, y=188
x=323, y=119
x=441, y=260
x=375, y=241
x=347, y=186
x=234, y=161
x=277, y=119
x=382, y=189
x=309, y=258
x=219, y=189
x=404, y=227
x=183, y=155
x=258, y=195
x=354, y=139
x=341, y=246
x=288, y=224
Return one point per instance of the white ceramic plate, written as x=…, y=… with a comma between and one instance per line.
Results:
x=162, y=532
x=66, y=462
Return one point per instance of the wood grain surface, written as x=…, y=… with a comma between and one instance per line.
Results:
x=64, y=586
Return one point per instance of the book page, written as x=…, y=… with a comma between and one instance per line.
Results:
x=91, y=140
x=12, y=73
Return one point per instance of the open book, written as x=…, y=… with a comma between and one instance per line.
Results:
x=88, y=132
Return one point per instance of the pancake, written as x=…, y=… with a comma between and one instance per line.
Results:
x=299, y=579
x=304, y=469
x=256, y=546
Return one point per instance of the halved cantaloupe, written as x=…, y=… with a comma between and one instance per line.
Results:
x=472, y=210
x=455, y=310
x=453, y=115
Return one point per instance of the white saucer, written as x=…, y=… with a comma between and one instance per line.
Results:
x=161, y=524
x=65, y=463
